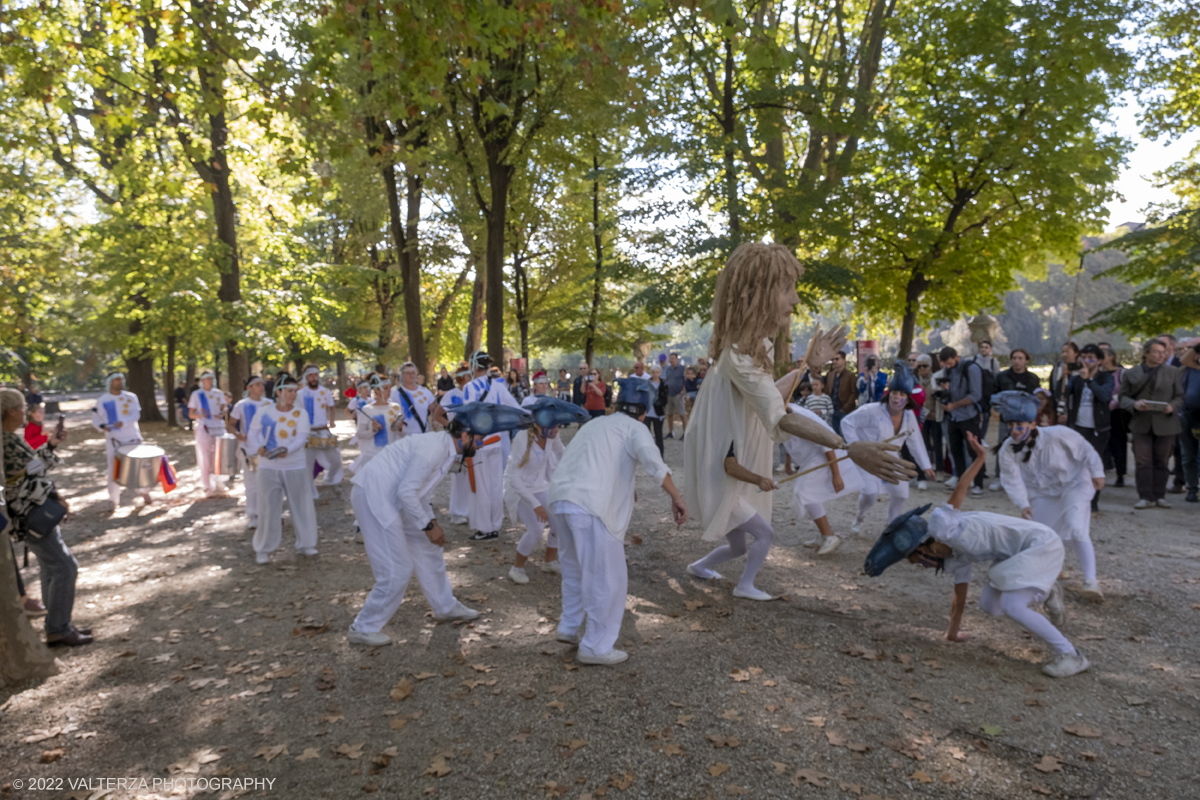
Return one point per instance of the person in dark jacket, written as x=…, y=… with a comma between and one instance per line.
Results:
x=840, y=385
x=577, y=386
x=1088, y=394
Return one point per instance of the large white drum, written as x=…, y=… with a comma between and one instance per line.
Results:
x=138, y=465
x=225, y=454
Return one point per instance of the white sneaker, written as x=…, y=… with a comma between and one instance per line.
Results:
x=306, y=551
x=458, y=612
x=606, y=660
x=701, y=572
x=813, y=543
x=1162, y=504
x=922, y=486
x=976, y=491
x=830, y=544
x=552, y=566
x=752, y=593
x=262, y=558
x=368, y=639
x=569, y=638
x=251, y=524
x=1140, y=504
x=1091, y=591
x=458, y=520
x=994, y=486
x=855, y=528
x=1065, y=666
x=1056, y=610
x=517, y=575
x=950, y=484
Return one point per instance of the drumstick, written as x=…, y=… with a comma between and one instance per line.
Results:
x=795, y=475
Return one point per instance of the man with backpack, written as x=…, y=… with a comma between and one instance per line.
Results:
x=964, y=407
x=991, y=378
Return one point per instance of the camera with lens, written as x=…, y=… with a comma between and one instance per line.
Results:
x=871, y=362
x=942, y=393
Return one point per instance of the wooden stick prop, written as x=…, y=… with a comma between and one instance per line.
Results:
x=795, y=475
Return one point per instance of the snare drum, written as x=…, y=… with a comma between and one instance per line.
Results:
x=323, y=440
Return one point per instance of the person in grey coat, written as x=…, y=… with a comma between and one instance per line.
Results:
x=1152, y=392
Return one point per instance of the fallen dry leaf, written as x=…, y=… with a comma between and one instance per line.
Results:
x=561, y=690
x=672, y=749
x=780, y=767
x=809, y=776
x=852, y=788
x=740, y=675
x=817, y=722
x=621, y=783
x=350, y=751
x=844, y=681
x=692, y=605
x=270, y=753
x=718, y=769
x=1049, y=764
x=309, y=754
x=50, y=756
x=921, y=777
x=402, y=690
x=438, y=769
x=1083, y=731
x=723, y=741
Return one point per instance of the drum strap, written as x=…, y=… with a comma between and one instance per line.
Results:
x=470, y=465
x=412, y=407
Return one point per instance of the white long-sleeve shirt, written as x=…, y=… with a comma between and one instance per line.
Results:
x=124, y=408
x=873, y=423
x=526, y=482
x=273, y=428
x=244, y=411
x=400, y=479
x=484, y=391
x=213, y=419
x=366, y=417
x=1062, y=460
x=596, y=470
x=316, y=402
x=422, y=399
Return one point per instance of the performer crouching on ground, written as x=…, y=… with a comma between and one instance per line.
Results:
x=392, y=499
x=536, y=452
x=460, y=482
x=117, y=413
x=317, y=402
x=243, y=415
x=279, y=436
x=207, y=407
x=1025, y=558
x=880, y=422
x=739, y=401
x=591, y=502
x=1051, y=474
x=812, y=491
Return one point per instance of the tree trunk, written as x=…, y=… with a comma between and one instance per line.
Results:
x=410, y=266
x=169, y=383
x=500, y=175
x=917, y=284
x=385, y=297
x=295, y=356
x=589, y=348
x=730, y=150
x=475, y=320
x=521, y=295
x=217, y=369
x=190, y=377
x=341, y=374
x=141, y=367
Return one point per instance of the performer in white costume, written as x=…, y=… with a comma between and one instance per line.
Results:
x=484, y=389
x=379, y=423
x=243, y=414
x=207, y=408
x=278, y=436
x=1024, y=556
x=880, y=422
x=414, y=400
x=362, y=397
x=541, y=388
x=591, y=502
x=535, y=455
x=392, y=498
x=116, y=414
x=1051, y=474
x=317, y=403
x=740, y=402
x=460, y=482
x=811, y=492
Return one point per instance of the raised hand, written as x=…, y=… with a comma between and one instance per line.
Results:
x=822, y=346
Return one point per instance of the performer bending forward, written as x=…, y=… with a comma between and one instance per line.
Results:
x=591, y=502
x=739, y=401
x=1051, y=474
x=392, y=499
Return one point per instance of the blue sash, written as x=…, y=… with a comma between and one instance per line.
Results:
x=250, y=411
x=110, y=409
x=268, y=425
x=204, y=404
x=308, y=407
x=381, y=436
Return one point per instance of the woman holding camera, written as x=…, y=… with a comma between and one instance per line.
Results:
x=593, y=395
x=32, y=499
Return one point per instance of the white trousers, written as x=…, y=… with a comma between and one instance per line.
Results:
x=897, y=493
x=534, y=527
x=204, y=458
x=395, y=554
x=460, y=494
x=250, y=479
x=273, y=486
x=487, y=503
x=114, y=488
x=594, y=582
x=1015, y=605
x=330, y=458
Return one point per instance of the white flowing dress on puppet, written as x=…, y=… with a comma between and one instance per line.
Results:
x=810, y=492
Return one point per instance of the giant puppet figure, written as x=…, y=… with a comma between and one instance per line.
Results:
x=739, y=404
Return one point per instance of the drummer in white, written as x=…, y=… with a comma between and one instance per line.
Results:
x=317, y=402
x=207, y=407
x=887, y=421
x=413, y=399
x=485, y=389
x=379, y=423
x=460, y=482
x=242, y=415
x=278, y=435
x=117, y=413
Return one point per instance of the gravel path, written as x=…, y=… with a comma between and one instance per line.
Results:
x=208, y=667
